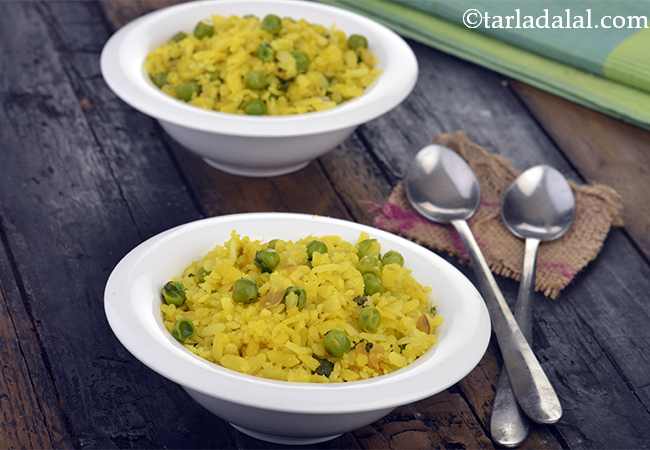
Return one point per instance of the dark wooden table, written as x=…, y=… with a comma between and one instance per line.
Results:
x=84, y=178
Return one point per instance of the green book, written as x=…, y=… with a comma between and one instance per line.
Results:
x=595, y=53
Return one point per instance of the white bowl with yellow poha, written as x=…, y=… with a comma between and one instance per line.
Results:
x=311, y=108
x=308, y=410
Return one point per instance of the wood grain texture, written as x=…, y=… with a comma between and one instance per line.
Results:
x=357, y=178
x=30, y=415
x=603, y=150
x=119, y=12
x=441, y=421
x=307, y=191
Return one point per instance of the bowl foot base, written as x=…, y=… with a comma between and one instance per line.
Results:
x=286, y=440
x=248, y=172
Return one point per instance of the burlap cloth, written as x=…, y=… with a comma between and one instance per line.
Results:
x=598, y=208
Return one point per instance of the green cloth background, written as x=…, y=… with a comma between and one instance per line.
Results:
x=604, y=69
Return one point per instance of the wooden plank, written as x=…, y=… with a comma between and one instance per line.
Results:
x=357, y=178
x=346, y=441
x=579, y=335
x=137, y=159
x=441, y=421
x=71, y=209
x=602, y=149
x=220, y=193
x=119, y=12
x=30, y=416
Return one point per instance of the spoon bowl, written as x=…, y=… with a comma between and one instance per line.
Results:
x=439, y=173
x=539, y=204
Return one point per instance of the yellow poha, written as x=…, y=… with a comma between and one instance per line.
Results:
x=273, y=66
x=315, y=310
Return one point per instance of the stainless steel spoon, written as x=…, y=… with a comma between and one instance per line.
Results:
x=538, y=206
x=442, y=187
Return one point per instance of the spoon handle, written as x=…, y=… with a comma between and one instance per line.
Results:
x=523, y=309
x=508, y=426
x=530, y=384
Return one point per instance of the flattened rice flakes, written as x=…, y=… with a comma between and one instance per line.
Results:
x=282, y=333
x=245, y=65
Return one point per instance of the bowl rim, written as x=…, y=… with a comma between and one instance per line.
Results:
x=176, y=363
x=385, y=93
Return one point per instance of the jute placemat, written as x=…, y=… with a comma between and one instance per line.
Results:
x=598, y=208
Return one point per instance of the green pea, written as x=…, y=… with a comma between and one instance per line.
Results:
x=315, y=247
x=245, y=291
x=295, y=296
x=265, y=52
x=186, y=91
x=371, y=284
x=272, y=24
x=302, y=61
x=159, y=79
x=256, y=79
x=336, y=342
x=183, y=329
x=369, y=319
x=267, y=260
x=203, y=30
x=356, y=42
x=255, y=107
x=272, y=243
x=325, y=367
x=368, y=247
x=174, y=293
x=392, y=257
x=369, y=264
x=179, y=36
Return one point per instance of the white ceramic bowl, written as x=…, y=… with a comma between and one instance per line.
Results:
x=246, y=145
x=278, y=411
